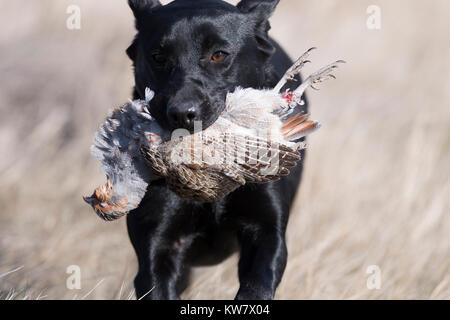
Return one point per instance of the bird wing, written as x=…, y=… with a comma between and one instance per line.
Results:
x=154, y=159
x=261, y=160
x=190, y=169
x=207, y=167
x=242, y=158
x=204, y=153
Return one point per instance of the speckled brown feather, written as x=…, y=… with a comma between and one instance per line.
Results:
x=241, y=159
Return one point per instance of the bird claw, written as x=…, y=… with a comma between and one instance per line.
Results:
x=325, y=73
x=294, y=70
x=318, y=77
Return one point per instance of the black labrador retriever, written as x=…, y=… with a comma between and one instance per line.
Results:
x=191, y=53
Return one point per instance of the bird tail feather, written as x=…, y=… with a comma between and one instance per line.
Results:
x=298, y=126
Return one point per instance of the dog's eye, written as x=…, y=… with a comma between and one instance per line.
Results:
x=219, y=56
x=159, y=58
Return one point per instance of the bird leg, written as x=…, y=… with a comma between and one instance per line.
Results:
x=295, y=97
x=294, y=70
x=317, y=77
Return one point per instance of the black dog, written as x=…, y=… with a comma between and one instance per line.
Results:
x=191, y=53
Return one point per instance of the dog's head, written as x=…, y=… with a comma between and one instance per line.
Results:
x=192, y=52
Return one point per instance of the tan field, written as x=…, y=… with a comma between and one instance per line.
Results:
x=376, y=187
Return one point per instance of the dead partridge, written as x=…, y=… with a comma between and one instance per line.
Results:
x=254, y=140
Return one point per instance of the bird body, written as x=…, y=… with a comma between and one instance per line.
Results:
x=254, y=140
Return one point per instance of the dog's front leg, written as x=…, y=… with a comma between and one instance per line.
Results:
x=261, y=265
x=140, y=230
x=263, y=248
x=170, y=244
x=156, y=232
x=161, y=260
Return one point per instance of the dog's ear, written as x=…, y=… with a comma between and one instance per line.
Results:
x=259, y=12
x=263, y=8
x=139, y=6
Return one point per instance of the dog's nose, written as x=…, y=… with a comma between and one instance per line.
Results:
x=183, y=115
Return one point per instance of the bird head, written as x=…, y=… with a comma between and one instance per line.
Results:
x=105, y=204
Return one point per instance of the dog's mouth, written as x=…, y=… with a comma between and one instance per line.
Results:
x=208, y=113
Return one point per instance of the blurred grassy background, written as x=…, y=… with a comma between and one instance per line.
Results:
x=376, y=187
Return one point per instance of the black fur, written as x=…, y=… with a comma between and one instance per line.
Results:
x=172, y=54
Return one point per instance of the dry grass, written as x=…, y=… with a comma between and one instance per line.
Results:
x=376, y=187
